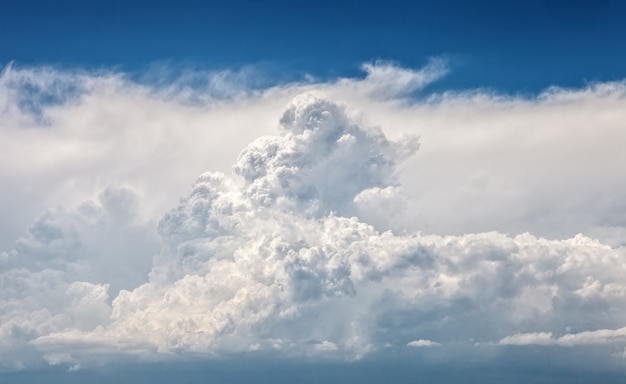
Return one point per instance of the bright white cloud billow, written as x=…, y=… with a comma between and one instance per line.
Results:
x=330, y=238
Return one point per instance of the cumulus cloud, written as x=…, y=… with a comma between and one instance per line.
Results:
x=487, y=161
x=305, y=248
x=599, y=336
x=68, y=134
x=271, y=259
x=323, y=162
x=534, y=338
x=61, y=273
x=422, y=343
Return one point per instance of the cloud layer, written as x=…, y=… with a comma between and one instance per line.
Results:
x=309, y=246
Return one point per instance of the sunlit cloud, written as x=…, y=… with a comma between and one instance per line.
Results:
x=327, y=219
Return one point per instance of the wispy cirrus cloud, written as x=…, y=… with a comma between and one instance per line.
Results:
x=386, y=81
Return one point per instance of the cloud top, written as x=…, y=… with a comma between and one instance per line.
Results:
x=322, y=161
x=386, y=81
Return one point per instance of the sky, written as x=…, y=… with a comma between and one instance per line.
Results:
x=264, y=191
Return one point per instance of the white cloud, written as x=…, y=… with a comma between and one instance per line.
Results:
x=599, y=336
x=261, y=255
x=385, y=81
x=534, y=338
x=312, y=243
x=422, y=343
x=97, y=129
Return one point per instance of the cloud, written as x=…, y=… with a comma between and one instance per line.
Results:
x=326, y=346
x=335, y=237
x=268, y=259
x=487, y=161
x=384, y=80
x=61, y=273
x=63, y=359
x=323, y=162
x=422, y=343
x=86, y=130
x=536, y=338
x=599, y=336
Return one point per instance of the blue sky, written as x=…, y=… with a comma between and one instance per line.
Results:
x=272, y=191
x=513, y=46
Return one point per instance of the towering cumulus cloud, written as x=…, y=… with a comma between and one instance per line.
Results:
x=281, y=257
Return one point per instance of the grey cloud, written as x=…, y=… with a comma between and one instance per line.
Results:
x=60, y=275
